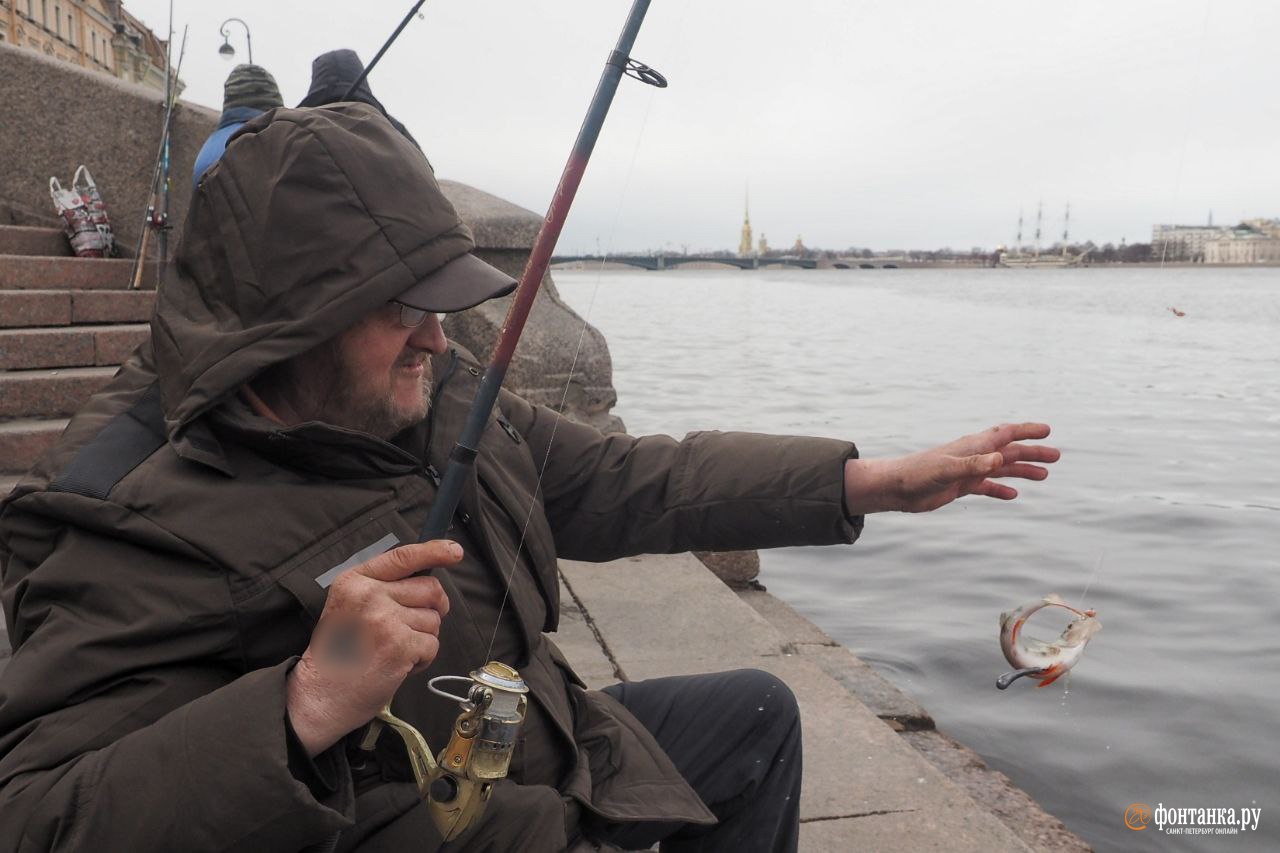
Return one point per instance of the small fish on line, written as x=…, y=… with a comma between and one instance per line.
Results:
x=1036, y=659
x=1176, y=312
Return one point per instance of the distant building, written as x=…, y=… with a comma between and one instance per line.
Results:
x=96, y=34
x=1184, y=242
x=1245, y=246
x=763, y=246
x=744, y=244
x=1270, y=227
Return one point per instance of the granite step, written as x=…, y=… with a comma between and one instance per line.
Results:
x=49, y=393
x=112, y=306
x=31, y=272
x=27, y=240
x=69, y=346
x=27, y=308
x=23, y=441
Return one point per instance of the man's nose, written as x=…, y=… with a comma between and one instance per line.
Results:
x=429, y=336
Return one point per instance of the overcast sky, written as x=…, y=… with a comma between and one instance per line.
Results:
x=879, y=123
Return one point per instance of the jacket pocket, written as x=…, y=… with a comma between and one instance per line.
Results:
x=309, y=574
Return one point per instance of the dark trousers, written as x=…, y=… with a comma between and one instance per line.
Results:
x=735, y=737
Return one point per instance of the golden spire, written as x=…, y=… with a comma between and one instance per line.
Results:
x=744, y=245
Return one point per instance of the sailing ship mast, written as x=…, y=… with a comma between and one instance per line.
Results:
x=1029, y=256
x=1066, y=230
x=1039, y=211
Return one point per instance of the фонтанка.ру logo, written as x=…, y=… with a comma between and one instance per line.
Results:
x=1193, y=821
x=1137, y=816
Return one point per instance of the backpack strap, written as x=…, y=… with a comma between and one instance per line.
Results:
x=119, y=447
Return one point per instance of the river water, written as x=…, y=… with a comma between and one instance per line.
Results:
x=1167, y=497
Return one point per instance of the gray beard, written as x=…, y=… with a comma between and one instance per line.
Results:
x=320, y=386
x=377, y=416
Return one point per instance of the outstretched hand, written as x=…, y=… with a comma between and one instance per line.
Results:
x=930, y=479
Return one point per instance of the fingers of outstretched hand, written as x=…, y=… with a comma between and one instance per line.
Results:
x=1024, y=431
x=408, y=560
x=1021, y=470
x=981, y=465
x=1000, y=435
x=992, y=489
x=1030, y=453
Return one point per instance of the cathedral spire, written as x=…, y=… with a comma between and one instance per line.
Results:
x=744, y=245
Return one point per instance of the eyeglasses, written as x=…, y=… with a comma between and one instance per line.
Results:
x=410, y=317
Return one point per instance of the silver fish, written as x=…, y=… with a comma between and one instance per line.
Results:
x=1044, y=662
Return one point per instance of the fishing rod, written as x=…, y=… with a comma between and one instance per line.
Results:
x=462, y=458
x=149, y=221
x=395, y=35
x=164, y=172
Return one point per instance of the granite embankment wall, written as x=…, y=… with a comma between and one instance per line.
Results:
x=57, y=116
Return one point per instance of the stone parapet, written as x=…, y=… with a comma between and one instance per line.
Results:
x=562, y=360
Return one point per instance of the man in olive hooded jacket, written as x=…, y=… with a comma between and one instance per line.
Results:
x=197, y=582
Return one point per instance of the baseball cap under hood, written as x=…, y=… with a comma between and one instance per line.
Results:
x=310, y=220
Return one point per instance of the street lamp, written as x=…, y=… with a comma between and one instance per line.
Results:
x=227, y=51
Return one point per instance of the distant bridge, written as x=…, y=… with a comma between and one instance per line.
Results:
x=662, y=262
x=885, y=263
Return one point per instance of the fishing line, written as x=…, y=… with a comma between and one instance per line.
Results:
x=1092, y=578
x=564, y=398
x=582, y=333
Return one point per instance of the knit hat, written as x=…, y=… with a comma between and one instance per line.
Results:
x=251, y=86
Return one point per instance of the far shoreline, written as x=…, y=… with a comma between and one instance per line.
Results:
x=711, y=266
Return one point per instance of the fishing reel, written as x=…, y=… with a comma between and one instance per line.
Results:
x=458, y=784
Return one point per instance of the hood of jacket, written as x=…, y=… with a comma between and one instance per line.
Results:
x=332, y=74
x=310, y=220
